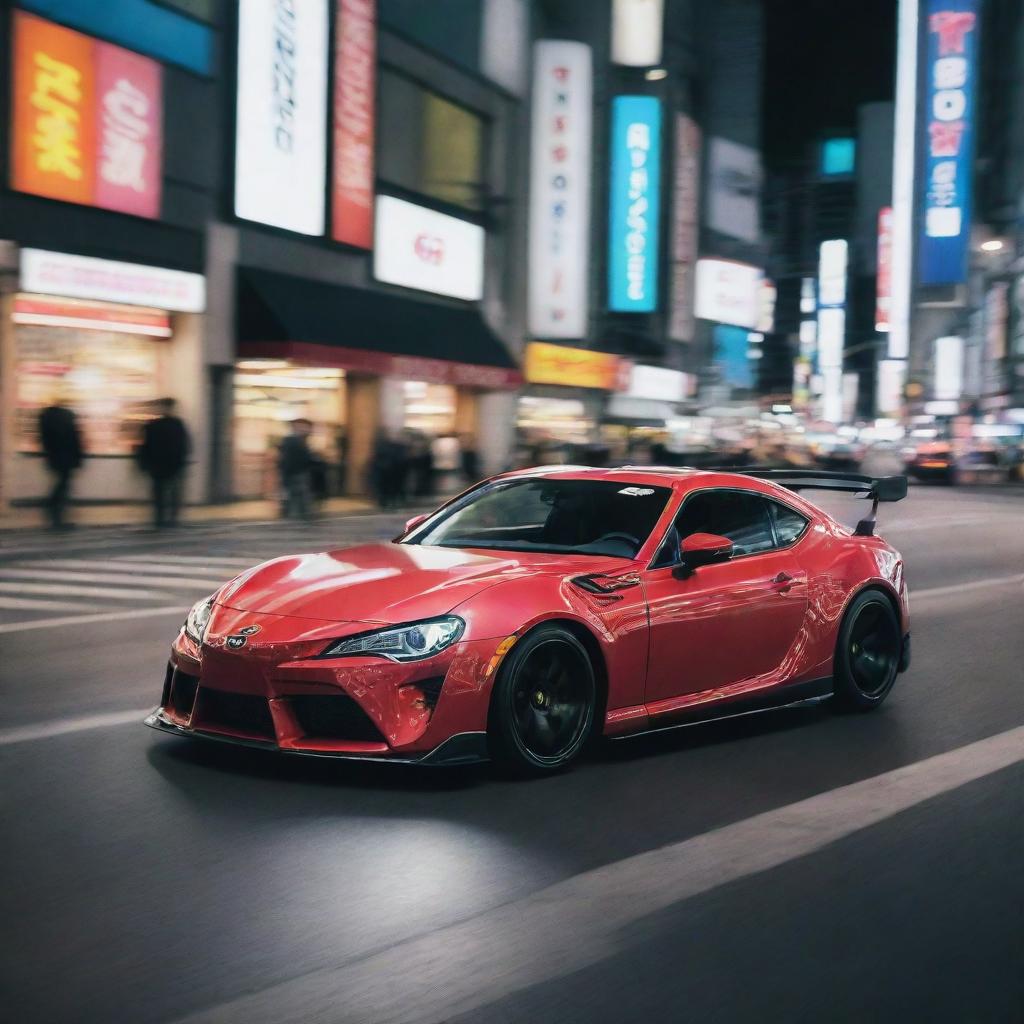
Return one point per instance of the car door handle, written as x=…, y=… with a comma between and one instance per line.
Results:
x=783, y=583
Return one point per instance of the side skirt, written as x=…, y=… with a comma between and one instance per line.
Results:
x=811, y=692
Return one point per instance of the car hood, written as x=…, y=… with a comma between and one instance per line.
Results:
x=388, y=583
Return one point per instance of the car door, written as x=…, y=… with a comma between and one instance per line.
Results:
x=727, y=623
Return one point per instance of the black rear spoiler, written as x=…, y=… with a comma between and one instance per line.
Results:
x=880, y=488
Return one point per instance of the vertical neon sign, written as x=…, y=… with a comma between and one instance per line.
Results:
x=948, y=131
x=635, y=204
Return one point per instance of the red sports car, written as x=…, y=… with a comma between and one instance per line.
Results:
x=541, y=608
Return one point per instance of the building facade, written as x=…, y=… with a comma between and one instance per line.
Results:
x=505, y=221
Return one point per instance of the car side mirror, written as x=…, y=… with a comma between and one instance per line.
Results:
x=411, y=524
x=703, y=549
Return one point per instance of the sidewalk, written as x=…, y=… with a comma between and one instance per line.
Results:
x=139, y=514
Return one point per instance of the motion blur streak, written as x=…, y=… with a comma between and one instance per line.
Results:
x=524, y=942
x=63, y=726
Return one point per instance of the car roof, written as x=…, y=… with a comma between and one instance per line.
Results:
x=679, y=478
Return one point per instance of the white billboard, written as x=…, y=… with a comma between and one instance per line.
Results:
x=560, y=189
x=734, y=190
x=636, y=32
x=281, y=114
x=728, y=292
x=419, y=248
x=832, y=261
x=135, y=284
x=889, y=386
x=949, y=367
x=657, y=383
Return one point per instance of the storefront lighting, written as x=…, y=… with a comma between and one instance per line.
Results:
x=269, y=380
x=86, y=324
x=655, y=74
x=262, y=364
x=992, y=245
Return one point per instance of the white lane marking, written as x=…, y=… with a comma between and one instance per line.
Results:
x=130, y=577
x=84, y=620
x=960, y=588
x=63, y=726
x=152, y=568
x=77, y=590
x=38, y=604
x=522, y=943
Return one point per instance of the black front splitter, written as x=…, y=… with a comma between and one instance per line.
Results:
x=462, y=748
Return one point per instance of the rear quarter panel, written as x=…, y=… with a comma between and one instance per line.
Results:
x=840, y=565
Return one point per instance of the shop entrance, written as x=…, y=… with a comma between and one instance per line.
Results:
x=269, y=395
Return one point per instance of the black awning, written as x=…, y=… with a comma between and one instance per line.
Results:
x=280, y=308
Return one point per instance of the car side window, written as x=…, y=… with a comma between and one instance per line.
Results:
x=742, y=517
x=789, y=524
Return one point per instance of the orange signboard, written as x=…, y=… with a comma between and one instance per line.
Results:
x=573, y=367
x=87, y=120
x=55, y=152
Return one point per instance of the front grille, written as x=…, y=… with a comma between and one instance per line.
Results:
x=235, y=711
x=183, y=692
x=334, y=717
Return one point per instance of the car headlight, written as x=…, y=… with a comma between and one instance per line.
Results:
x=199, y=618
x=402, y=643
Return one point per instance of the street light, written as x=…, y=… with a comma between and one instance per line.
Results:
x=655, y=74
x=992, y=245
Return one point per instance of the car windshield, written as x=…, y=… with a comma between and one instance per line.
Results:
x=587, y=517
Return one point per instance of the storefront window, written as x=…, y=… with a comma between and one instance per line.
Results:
x=429, y=144
x=109, y=377
x=269, y=394
x=429, y=408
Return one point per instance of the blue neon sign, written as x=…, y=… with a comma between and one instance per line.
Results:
x=948, y=119
x=635, y=204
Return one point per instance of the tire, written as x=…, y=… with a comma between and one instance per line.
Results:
x=543, y=704
x=867, y=654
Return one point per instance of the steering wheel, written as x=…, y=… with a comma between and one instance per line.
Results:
x=627, y=537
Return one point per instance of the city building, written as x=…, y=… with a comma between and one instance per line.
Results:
x=506, y=221
x=957, y=334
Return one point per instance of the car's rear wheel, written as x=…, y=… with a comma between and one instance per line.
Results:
x=542, y=707
x=867, y=653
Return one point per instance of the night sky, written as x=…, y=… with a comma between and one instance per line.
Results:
x=823, y=59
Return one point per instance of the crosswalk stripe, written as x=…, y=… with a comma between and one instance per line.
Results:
x=94, y=617
x=110, y=577
x=185, y=559
x=75, y=590
x=36, y=604
x=152, y=568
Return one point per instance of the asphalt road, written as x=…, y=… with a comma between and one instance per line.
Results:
x=795, y=866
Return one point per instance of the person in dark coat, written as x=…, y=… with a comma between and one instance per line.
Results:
x=470, y=460
x=62, y=448
x=163, y=455
x=295, y=463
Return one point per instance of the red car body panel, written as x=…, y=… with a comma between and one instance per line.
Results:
x=663, y=646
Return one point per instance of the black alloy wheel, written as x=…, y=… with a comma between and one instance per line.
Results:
x=542, y=708
x=867, y=652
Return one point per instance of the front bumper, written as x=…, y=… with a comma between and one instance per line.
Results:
x=274, y=692
x=462, y=748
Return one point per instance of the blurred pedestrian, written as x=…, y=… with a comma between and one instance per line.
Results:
x=62, y=448
x=389, y=469
x=163, y=455
x=295, y=464
x=470, y=460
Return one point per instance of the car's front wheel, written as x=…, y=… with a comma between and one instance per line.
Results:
x=542, y=707
x=867, y=653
